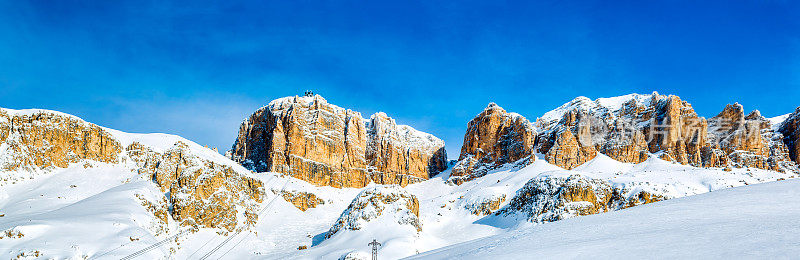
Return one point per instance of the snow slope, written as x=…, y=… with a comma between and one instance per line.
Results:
x=97, y=212
x=757, y=221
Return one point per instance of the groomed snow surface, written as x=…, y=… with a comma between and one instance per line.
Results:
x=757, y=222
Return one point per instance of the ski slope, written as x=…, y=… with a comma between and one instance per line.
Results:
x=756, y=221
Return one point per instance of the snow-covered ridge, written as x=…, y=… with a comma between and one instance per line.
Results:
x=600, y=105
x=405, y=134
x=158, y=141
x=777, y=121
x=34, y=111
x=403, y=130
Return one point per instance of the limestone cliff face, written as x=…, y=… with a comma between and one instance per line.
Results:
x=744, y=141
x=571, y=143
x=630, y=129
x=624, y=128
x=790, y=129
x=494, y=138
x=310, y=139
x=398, y=154
x=34, y=140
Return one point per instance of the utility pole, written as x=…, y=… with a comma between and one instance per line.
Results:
x=375, y=246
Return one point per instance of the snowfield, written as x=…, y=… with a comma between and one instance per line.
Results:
x=94, y=212
x=757, y=222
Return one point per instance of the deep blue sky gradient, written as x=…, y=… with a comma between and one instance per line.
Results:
x=197, y=68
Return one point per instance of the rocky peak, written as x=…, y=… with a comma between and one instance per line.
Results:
x=493, y=138
x=732, y=112
x=632, y=127
x=324, y=144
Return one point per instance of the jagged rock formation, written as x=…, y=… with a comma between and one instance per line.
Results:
x=202, y=193
x=32, y=140
x=624, y=128
x=630, y=129
x=310, y=139
x=494, y=138
x=549, y=198
x=744, y=141
x=790, y=128
x=383, y=201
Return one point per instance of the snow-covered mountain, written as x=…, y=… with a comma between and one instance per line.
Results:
x=743, y=222
x=327, y=181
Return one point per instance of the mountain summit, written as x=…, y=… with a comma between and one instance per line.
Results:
x=310, y=139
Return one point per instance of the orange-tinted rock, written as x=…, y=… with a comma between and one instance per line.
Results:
x=551, y=198
x=398, y=154
x=675, y=129
x=310, y=139
x=301, y=200
x=202, y=193
x=744, y=141
x=42, y=139
x=631, y=127
x=572, y=143
x=494, y=138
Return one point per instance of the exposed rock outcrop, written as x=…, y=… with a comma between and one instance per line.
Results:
x=494, y=138
x=201, y=193
x=300, y=199
x=398, y=154
x=624, y=128
x=790, y=128
x=486, y=206
x=310, y=139
x=744, y=141
x=382, y=201
x=549, y=198
x=33, y=140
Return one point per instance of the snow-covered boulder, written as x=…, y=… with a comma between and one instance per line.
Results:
x=387, y=204
x=552, y=197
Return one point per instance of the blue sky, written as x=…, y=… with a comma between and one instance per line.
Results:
x=197, y=68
